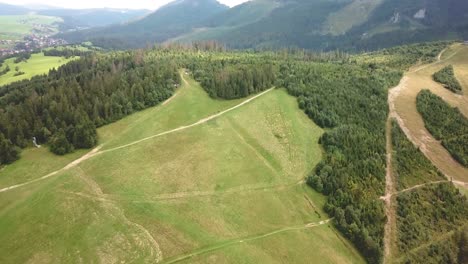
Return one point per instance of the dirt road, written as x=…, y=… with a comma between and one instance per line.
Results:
x=97, y=151
x=229, y=243
x=402, y=102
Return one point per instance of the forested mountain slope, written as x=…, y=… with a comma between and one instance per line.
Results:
x=169, y=21
x=312, y=24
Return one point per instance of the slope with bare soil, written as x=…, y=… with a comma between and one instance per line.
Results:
x=404, y=101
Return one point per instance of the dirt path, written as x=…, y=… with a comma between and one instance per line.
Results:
x=192, y=194
x=238, y=241
x=140, y=235
x=402, y=103
x=67, y=167
x=200, y=122
x=389, y=196
x=97, y=151
x=390, y=209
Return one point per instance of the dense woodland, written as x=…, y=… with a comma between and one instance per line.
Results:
x=446, y=124
x=65, y=107
x=353, y=106
x=447, y=78
x=419, y=239
x=429, y=215
x=410, y=166
x=233, y=81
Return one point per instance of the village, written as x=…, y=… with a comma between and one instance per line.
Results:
x=29, y=43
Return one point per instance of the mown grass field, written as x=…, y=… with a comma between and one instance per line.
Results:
x=36, y=65
x=227, y=191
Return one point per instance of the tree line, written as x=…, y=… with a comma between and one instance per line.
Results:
x=446, y=77
x=66, y=52
x=351, y=102
x=445, y=123
x=64, y=107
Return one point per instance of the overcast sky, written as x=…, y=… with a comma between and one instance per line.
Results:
x=133, y=4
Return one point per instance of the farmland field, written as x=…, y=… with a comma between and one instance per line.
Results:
x=230, y=189
x=36, y=65
x=16, y=27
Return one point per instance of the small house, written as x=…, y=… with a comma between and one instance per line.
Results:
x=465, y=42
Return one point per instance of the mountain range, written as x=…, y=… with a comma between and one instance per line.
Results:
x=77, y=18
x=265, y=24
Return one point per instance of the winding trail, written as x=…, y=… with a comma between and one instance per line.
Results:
x=141, y=235
x=201, y=121
x=190, y=194
x=390, y=195
x=238, y=241
x=390, y=207
x=402, y=103
x=67, y=167
x=97, y=151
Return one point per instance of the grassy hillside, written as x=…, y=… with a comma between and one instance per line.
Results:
x=352, y=15
x=17, y=26
x=228, y=190
x=36, y=65
x=169, y=21
x=318, y=24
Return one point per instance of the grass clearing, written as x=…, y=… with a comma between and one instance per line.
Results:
x=239, y=175
x=36, y=65
x=353, y=14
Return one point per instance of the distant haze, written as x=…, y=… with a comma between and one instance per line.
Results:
x=134, y=4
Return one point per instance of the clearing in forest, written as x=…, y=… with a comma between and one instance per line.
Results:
x=36, y=65
x=229, y=190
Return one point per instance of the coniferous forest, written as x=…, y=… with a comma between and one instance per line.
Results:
x=65, y=107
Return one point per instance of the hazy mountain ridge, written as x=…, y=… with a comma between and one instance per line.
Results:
x=312, y=24
x=6, y=9
x=169, y=21
x=76, y=18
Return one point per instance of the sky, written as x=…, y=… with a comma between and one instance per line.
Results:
x=133, y=4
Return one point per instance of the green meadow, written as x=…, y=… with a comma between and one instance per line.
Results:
x=36, y=65
x=16, y=27
x=229, y=190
